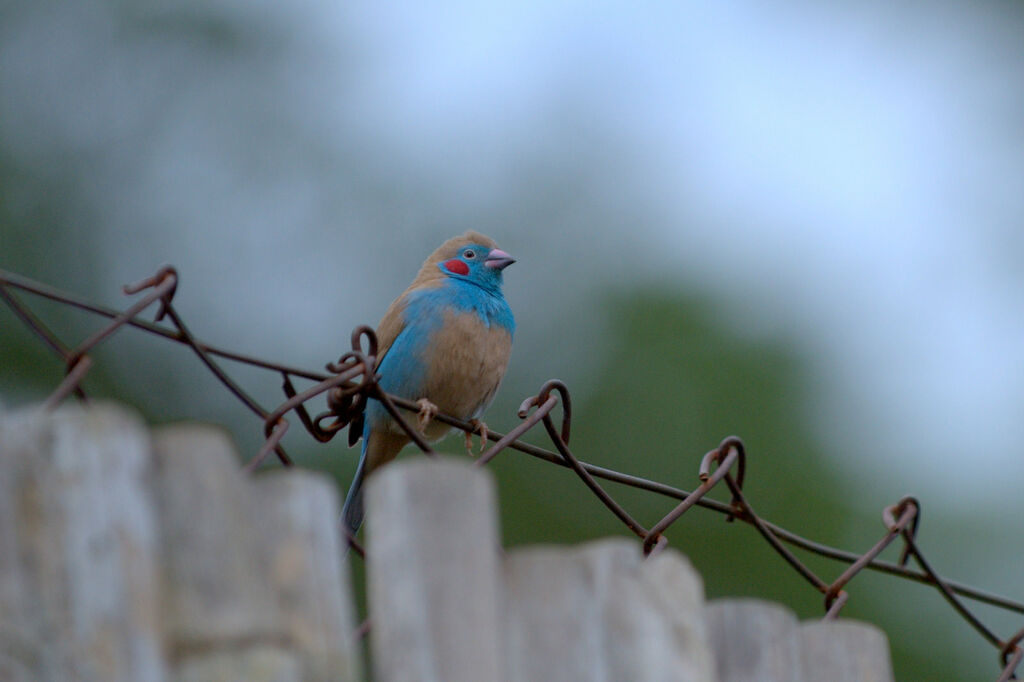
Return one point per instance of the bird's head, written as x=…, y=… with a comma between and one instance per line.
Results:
x=472, y=257
x=477, y=263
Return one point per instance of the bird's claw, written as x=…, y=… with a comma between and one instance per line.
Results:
x=428, y=411
x=478, y=427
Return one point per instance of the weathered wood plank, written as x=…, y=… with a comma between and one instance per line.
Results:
x=247, y=664
x=78, y=547
x=601, y=612
x=433, y=573
x=844, y=651
x=217, y=592
x=298, y=515
x=754, y=641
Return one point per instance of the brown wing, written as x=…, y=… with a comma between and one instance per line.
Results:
x=387, y=331
x=390, y=326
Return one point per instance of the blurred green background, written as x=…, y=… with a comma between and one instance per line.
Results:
x=797, y=224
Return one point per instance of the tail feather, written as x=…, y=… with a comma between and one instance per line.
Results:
x=379, y=447
x=352, y=510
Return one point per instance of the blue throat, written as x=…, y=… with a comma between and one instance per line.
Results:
x=465, y=296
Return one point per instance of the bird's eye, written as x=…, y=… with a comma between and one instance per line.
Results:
x=469, y=253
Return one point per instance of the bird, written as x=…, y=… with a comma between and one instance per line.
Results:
x=443, y=343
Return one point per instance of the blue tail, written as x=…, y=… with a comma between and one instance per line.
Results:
x=352, y=511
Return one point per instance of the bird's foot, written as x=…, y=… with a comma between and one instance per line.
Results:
x=478, y=427
x=428, y=411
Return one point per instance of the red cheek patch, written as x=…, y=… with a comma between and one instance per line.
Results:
x=456, y=266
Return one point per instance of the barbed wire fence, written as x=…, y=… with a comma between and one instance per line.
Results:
x=351, y=382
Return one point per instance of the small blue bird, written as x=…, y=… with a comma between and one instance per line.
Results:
x=444, y=343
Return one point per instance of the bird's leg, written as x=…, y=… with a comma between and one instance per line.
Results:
x=478, y=427
x=428, y=411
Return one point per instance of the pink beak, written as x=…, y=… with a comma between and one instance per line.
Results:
x=498, y=259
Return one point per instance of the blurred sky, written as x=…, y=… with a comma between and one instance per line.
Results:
x=848, y=175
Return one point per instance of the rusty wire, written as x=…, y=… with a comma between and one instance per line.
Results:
x=352, y=381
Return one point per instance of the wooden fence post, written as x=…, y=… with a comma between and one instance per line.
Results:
x=602, y=612
x=78, y=548
x=433, y=573
x=302, y=550
x=845, y=651
x=254, y=586
x=754, y=641
x=219, y=609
